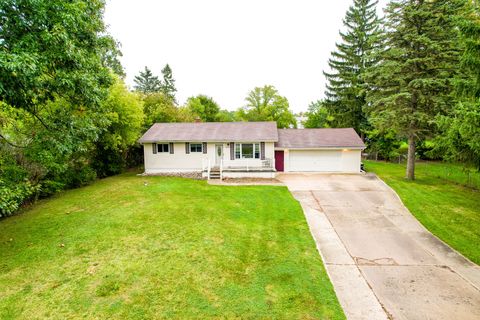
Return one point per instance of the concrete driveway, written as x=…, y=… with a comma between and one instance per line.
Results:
x=382, y=262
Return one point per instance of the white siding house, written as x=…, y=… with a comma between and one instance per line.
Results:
x=217, y=154
x=248, y=149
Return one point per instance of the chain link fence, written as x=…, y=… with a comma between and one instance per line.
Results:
x=454, y=172
x=457, y=173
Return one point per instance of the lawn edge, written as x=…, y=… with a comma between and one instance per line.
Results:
x=426, y=229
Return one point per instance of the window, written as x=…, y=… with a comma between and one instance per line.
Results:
x=247, y=151
x=238, y=153
x=196, y=147
x=163, y=147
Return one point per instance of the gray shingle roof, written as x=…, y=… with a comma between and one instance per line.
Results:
x=318, y=138
x=212, y=131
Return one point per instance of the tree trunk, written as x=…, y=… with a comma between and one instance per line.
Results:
x=411, y=158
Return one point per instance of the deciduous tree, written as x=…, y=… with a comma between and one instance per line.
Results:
x=124, y=113
x=53, y=49
x=160, y=108
x=317, y=115
x=265, y=104
x=459, y=138
x=203, y=107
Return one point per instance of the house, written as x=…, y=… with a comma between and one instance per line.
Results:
x=248, y=149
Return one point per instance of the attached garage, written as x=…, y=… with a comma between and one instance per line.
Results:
x=319, y=150
x=315, y=160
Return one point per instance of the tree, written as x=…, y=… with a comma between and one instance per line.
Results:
x=265, y=104
x=159, y=108
x=460, y=131
x=146, y=82
x=62, y=108
x=168, y=84
x=413, y=82
x=226, y=116
x=124, y=113
x=317, y=116
x=203, y=107
x=346, y=90
x=53, y=50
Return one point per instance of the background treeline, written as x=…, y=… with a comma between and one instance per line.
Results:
x=66, y=115
x=408, y=83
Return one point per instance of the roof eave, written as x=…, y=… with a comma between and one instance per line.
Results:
x=205, y=140
x=321, y=148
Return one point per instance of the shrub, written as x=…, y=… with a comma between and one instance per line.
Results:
x=12, y=195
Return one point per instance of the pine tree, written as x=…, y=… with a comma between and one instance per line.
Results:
x=168, y=84
x=345, y=89
x=146, y=82
x=414, y=80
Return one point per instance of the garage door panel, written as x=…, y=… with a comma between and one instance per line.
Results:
x=315, y=160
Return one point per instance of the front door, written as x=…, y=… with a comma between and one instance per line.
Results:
x=218, y=154
x=279, y=160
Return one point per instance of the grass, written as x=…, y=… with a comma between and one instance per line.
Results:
x=452, y=172
x=449, y=210
x=174, y=248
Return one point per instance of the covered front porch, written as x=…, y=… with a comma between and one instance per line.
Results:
x=238, y=168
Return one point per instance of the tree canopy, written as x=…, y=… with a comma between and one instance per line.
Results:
x=265, y=104
x=203, y=107
x=317, y=115
x=459, y=137
x=51, y=50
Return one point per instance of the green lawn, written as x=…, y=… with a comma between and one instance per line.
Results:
x=448, y=210
x=175, y=248
x=452, y=172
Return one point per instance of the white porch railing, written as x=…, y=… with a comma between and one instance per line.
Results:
x=234, y=165
x=206, y=166
x=248, y=164
x=221, y=169
x=208, y=170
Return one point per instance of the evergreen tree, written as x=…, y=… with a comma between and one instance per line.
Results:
x=413, y=82
x=345, y=89
x=168, y=84
x=146, y=82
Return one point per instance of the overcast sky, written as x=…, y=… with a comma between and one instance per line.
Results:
x=225, y=48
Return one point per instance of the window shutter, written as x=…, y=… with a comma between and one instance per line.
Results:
x=154, y=148
x=204, y=147
x=187, y=147
x=262, y=150
x=170, y=146
x=232, y=150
